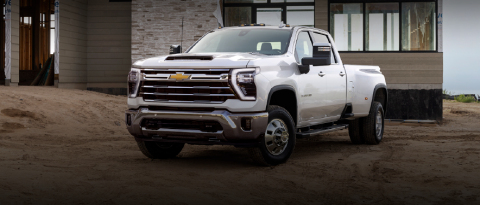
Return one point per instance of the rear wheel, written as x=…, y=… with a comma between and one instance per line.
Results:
x=160, y=150
x=373, y=124
x=279, y=141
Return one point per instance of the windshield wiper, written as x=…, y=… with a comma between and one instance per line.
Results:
x=256, y=53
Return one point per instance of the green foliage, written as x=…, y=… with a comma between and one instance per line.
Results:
x=446, y=92
x=465, y=99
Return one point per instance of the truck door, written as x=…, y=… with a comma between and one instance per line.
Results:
x=311, y=86
x=336, y=79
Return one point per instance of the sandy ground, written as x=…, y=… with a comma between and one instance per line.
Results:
x=70, y=146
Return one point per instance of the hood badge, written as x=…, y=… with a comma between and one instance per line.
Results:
x=179, y=76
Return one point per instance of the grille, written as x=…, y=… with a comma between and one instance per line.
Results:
x=201, y=86
x=204, y=126
x=186, y=72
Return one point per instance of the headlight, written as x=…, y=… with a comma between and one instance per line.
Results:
x=243, y=82
x=133, y=82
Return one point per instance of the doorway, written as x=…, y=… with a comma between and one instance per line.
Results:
x=36, y=55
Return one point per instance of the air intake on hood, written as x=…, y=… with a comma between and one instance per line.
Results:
x=189, y=58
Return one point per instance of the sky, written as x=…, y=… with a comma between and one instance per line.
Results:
x=461, y=46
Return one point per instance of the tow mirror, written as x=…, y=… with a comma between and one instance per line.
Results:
x=322, y=55
x=174, y=49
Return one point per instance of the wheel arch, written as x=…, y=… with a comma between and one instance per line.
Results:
x=380, y=94
x=277, y=96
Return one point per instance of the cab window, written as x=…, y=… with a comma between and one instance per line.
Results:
x=304, y=46
x=320, y=38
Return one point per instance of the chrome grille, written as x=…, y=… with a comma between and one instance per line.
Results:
x=186, y=86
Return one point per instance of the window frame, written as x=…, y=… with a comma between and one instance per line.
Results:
x=269, y=4
x=299, y=61
x=332, y=50
x=400, y=2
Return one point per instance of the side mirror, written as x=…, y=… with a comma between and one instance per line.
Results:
x=174, y=49
x=322, y=55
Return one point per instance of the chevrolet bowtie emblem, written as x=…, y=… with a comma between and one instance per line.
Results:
x=179, y=76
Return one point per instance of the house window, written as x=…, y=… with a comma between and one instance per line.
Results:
x=383, y=26
x=52, y=33
x=418, y=26
x=301, y=15
x=234, y=15
x=346, y=26
x=269, y=12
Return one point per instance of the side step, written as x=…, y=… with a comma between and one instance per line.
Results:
x=321, y=131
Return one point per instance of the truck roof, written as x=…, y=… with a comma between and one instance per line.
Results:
x=257, y=26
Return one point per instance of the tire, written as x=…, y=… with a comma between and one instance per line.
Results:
x=279, y=140
x=160, y=150
x=355, y=131
x=373, y=124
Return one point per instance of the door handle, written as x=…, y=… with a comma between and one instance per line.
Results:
x=321, y=74
x=342, y=74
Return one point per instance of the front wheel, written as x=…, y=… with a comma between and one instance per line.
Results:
x=279, y=141
x=373, y=125
x=160, y=150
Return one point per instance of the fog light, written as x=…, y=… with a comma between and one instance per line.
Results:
x=247, y=124
x=128, y=119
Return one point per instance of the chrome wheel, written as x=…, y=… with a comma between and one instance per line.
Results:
x=379, y=125
x=276, y=137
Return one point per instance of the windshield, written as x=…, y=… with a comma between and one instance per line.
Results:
x=264, y=41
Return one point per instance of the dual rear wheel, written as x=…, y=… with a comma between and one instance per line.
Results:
x=368, y=130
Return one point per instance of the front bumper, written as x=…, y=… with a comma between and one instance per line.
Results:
x=231, y=123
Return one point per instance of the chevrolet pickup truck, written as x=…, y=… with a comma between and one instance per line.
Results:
x=253, y=86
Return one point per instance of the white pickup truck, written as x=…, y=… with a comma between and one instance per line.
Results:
x=253, y=86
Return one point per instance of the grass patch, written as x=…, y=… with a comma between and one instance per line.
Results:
x=465, y=99
x=446, y=92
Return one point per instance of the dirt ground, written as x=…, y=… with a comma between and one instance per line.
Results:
x=71, y=147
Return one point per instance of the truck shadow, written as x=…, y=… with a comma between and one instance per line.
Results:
x=226, y=157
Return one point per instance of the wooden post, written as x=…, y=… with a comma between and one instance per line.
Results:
x=36, y=36
x=2, y=55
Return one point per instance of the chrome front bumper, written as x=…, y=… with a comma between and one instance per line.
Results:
x=230, y=122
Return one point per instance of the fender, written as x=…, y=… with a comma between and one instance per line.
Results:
x=284, y=87
x=280, y=87
x=378, y=86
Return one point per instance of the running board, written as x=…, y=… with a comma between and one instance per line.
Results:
x=321, y=131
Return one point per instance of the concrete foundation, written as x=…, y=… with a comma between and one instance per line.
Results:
x=415, y=101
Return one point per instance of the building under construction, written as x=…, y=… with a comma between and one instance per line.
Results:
x=91, y=44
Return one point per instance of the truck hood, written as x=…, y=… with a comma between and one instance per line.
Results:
x=204, y=60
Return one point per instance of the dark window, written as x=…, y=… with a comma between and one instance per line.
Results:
x=269, y=12
x=234, y=15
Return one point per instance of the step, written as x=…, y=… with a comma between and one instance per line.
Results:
x=321, y=131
